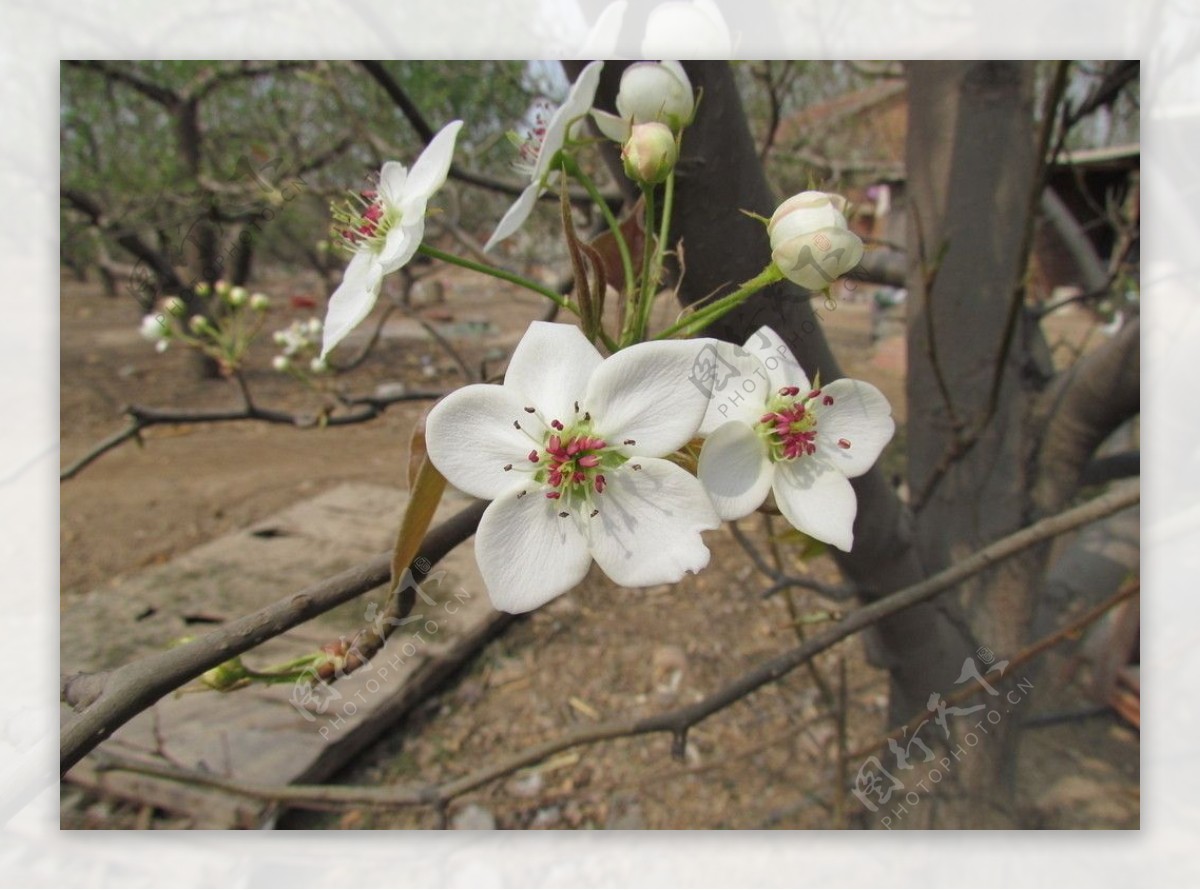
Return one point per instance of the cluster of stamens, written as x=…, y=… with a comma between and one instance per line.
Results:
x=790, y=427
x=529, y=143
x=358, y=220
x=572, y=462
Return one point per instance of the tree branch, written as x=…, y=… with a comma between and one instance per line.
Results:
x=1099, y=393
x=142, y=418
x=677, y=722
x=112, y=698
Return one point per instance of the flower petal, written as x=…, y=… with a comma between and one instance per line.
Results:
x=736, y=382
x=353, y=300
x=393, y=179
x=647, y=530
x=577, y=103
x=515, y=217
x=612, y=126
x=550, y=369
x=401, y=243
x=429, y=172
x=781, y=366
x=471, y=436
x=815, y=264
x=860, y=418
x=816, y=499
x=527, y=553
x=645, y=393
x=735, y=470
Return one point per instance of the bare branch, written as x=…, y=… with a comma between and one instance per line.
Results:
x=152, y=91
x=113, y=698
x=142, y=418
x=677, y=722
x=1099, y=393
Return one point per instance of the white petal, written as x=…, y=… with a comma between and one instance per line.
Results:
x=471, y=437
x=550, y=368
x=577, y=103
x=781, y=366
x=353, y=300
x=736, y=382
x=735, y=470
x=816, y=499
x=815, y=267
x=527, y=553
x=613, y=127
x=601, y=40
x=647, y=530
x=392, y=180
x=428, y=174
x=861, y=417
x=515, y=217
x=645, y=393
x=401, y=243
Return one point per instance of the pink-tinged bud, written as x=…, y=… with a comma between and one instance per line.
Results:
x=811, y=242
x=650, y=153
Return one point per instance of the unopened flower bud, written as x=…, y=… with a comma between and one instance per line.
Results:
x=281, y=363
x=650, y=153
x=197, y=324
x=203, y=289
x=319, y=365
x=649, y=91
x=225, y=676
x=221, y=287
x=810, y=241
x=176, y=307
x=238, y=296
x=155, y=327
x=259, y=302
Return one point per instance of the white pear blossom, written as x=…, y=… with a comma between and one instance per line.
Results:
x=650, y=92
x=384, y=230
x=770, y=430
x=546, y=139
x=569, y=450
x=810, y=241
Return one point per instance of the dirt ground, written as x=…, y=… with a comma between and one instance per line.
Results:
x=600, y=652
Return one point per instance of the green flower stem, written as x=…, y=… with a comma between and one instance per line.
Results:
x=636, y=325
x=510, y=277
x=706, y=315
x=574, y=170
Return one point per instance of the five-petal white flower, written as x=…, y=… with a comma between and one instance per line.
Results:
x=569, y=450
x=386, y=232
x=769, y=430
x=544, y=145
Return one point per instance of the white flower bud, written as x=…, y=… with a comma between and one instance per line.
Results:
x=176, y=307
x=650, y=153
x=281, y=363
x=221, y=287
x=259, y=302
x=203, y=289
x=810, y=241
x=155, y=327
x=314, y=327
x=237, y=296
x=197, y=324
x=319, y=365
x=656, y=91
x=650, y=92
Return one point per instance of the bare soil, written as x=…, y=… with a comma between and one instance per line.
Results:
x=600, y=652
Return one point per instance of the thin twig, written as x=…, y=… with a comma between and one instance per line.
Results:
x=112, y=698
x=677, y=722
